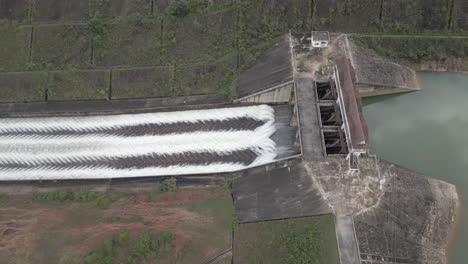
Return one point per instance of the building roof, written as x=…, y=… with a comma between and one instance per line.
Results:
x=320, y=36
x=353, y=108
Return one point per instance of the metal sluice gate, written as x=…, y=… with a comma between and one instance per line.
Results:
x=331, y=119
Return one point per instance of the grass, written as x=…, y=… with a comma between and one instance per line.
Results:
x=225, y=219
x=61, y=46
x=141, y=250
x=195, y=46
x=143, y=82
x=98, y=199
x=52, y=245
x=14, y=47
x=78, y=85
x=134, y=40
x=23, y=86
x=167, y=185
x=220, y=206
x=180, y=226
x=98, y=29
x=299, y=240
x=414, y=49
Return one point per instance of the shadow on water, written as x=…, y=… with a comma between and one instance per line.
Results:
x=377, y=99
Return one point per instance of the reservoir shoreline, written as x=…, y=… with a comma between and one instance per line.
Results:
x=432, y=138
x=456, y=227
x=384, y=92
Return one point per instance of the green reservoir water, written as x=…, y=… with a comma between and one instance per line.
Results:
x=427, y=131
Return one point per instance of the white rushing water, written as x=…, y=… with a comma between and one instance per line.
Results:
x=98, y=123
x=33, y=151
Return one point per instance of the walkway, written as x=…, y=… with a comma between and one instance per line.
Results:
x=308, y=116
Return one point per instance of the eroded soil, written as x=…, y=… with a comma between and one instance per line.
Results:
x=63, y=232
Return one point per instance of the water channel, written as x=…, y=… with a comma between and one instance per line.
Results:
x=427, y=131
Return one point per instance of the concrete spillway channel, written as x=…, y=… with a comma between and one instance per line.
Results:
x=147, y=144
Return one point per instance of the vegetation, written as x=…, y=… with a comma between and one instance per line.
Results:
x=23, y=86
x=181, y=41
x=99, y=199
x=414, y=49
x=68, y=227
x=300, y=240
x=148, y=246
x=168, y=185
x=70, y=84
x=181, y=8
x=98, y=29
x=60, y=47
x=14, y=48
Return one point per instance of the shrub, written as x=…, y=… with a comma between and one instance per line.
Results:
x=180, y=8
x=168, y=185
x=101, y=199
x=148, y=246
x=98, y=28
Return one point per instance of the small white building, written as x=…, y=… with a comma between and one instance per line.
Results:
x=320, y=39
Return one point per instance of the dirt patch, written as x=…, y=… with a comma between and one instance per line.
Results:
x=61, y=232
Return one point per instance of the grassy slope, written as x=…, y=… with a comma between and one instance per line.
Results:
x=300, y=240
x=70, y=227
x=417, y=49
x=201, y=52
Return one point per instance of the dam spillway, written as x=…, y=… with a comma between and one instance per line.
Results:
x=135, y=145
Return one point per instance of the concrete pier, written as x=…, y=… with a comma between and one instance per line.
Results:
x=308, y=119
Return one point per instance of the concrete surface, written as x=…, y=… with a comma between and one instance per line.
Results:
x=308, y=118
x=285, y=135
x=106, y=106
x=276, y=192
x=374, y=74
x=347, y=193
x=283, y=94
x=400, y=216
x=411, y=222
x=378, y=74
x=346, y=238
x=271, y=69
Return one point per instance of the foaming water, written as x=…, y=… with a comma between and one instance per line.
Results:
x=427, y=131
x=48, y=154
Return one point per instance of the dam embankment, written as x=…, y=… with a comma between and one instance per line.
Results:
x=374, y=74
x=421, y=53
x=429, y=127
x=49, y=53
x=454, y=235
